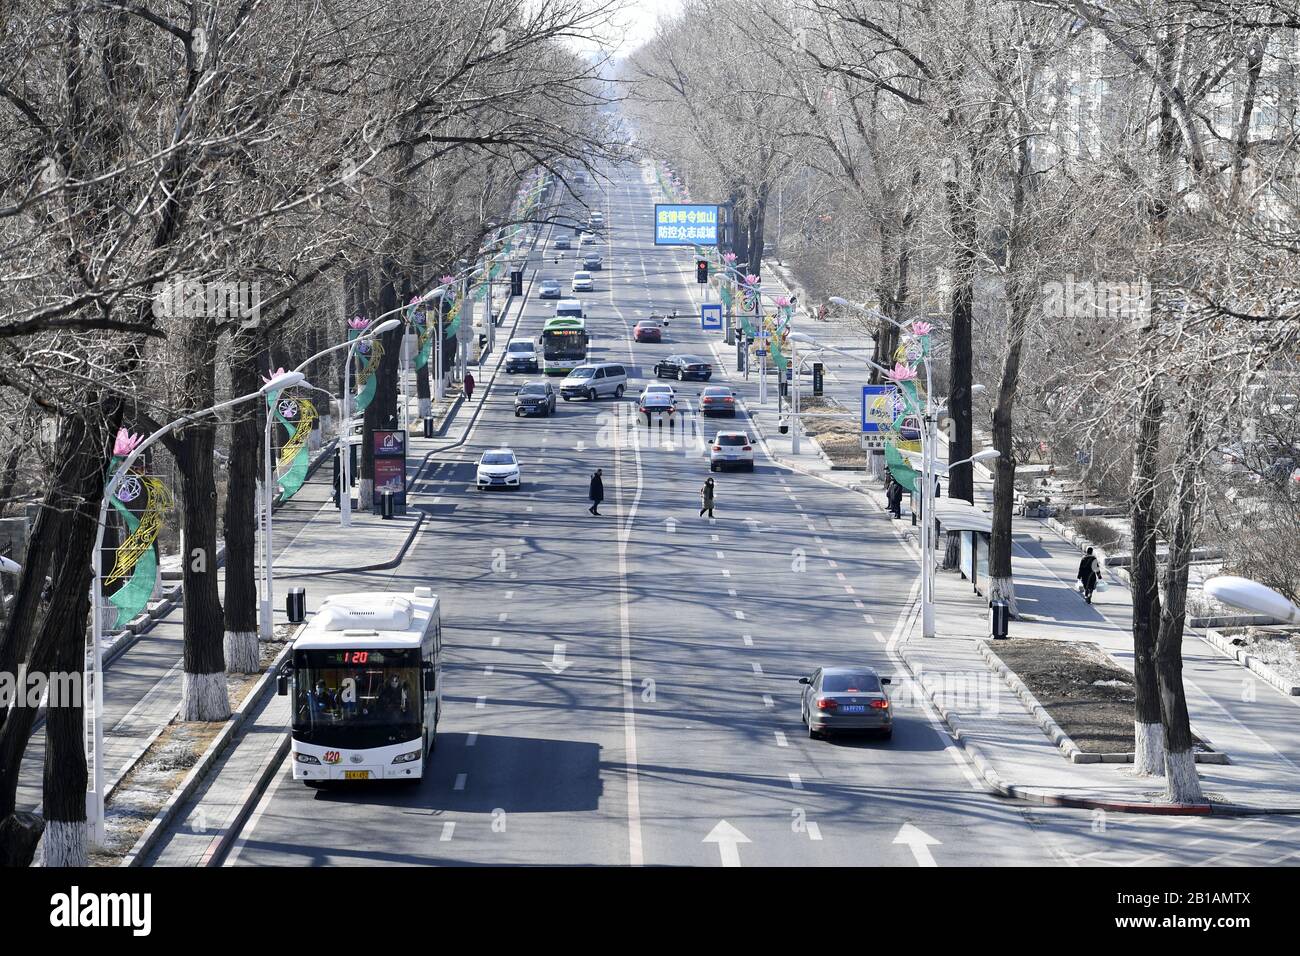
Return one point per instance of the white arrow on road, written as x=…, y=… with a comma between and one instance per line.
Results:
x=557, y=663
x=728, y=839
x=919, y=842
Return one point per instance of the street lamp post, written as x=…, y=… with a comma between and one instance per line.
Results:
x=95, y=796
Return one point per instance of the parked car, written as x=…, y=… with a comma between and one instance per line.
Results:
x=718, y=400
x=846, y=698
x=535, y=398
x=731, y=450
x=593, y=262
x=497, y=468
x=550, y=289
x=521, y=356
x=594, y=380
x=583, y=282
x=683, y=367
x=647, y=330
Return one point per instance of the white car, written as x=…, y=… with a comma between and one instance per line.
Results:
x=662, y=388
x=587, y=239
x=583, y=282
x=731, y=449
x=497, y=468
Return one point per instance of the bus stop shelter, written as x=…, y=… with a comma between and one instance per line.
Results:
x=976, y=528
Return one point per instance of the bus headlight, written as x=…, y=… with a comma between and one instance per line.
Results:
x=407, y=758
x=306, y=758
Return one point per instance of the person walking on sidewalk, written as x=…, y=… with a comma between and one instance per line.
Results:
x=894, y=495
x=706, y=498
x=596, y=492
x=1089, y=570
x=469, y=386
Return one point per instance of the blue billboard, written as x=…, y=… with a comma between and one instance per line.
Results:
x=711, y=318
x=680, y=224
x=880, y=406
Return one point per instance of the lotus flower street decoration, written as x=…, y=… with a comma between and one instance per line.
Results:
x=367, y=358
x=297, y=416
x=142, y=501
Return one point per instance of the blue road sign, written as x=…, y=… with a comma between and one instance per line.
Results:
x=711, y=318
x=680, y=224
x=879, y=408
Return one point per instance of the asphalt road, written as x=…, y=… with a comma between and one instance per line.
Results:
x=623, y=689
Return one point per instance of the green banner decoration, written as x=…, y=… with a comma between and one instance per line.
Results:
x=425, y=342
x=903, y=473
x=136, y=561
x=369, y=354
x=452, y=325
x=297, y=415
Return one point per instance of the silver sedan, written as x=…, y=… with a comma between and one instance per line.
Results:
x=846, y=698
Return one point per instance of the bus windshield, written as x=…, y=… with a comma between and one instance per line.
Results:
x=564, y=343
x=357, y=698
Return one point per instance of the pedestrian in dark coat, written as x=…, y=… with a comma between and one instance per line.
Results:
x=469, y=386
x=1089, y=569
x=596, y=492
x=706, y=498
x=894, y=495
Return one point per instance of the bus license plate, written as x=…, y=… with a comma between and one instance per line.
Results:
x=356, y=774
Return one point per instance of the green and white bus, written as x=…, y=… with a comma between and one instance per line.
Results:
x=564, y=339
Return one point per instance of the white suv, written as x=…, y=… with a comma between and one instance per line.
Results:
x=521, y=356
x=731, y=449
x=582, y=282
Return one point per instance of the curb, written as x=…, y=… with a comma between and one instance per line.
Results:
x=1072, y=751
x=995, y=781
x=148, y=840
x=1223, y=643
x=219, y=848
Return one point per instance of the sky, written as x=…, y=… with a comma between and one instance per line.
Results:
x=640, y=18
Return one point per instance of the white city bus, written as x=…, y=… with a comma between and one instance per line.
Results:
x=366, y=693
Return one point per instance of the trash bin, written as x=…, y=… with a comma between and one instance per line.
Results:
x=428, y=426
x=295, y=605
x=386, y=505
x=999, y=617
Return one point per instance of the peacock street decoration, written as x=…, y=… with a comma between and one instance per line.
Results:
x=368, y=355
x=424, y=331
x=907, y=404
x=298, y=416
x=142, y=501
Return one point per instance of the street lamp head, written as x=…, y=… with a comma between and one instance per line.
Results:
x=386, y=326
x=985, y=454
x=1251, y=596
x=282, y=381
x=977, y=390
x=838, y=300
x=801, y=337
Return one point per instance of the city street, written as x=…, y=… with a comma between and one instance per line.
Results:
x=623, y=689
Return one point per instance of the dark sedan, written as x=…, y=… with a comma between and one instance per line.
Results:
x=647, y=332
x=593, y=263
x=848, y=699
x=535, y=398
x=684, y=367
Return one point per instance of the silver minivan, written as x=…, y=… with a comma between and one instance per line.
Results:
x=594, y=380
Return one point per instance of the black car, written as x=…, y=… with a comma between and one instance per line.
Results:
x=535, y=398
x=684, y=367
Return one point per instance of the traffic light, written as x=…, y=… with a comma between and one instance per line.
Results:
x=516, y=282
x=701, y=271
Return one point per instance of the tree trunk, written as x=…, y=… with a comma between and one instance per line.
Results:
x=239, y=522
x=1181, y=781
x=1002, y=585
x=203, y=688
x=1148, y=737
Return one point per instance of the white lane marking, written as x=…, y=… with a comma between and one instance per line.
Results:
x=848, y=589
x=869, y=619
x=480, y=702
x=758, y=668
x=728, y=839
x=448, y=829
x=817, y=539
x=740, y=615
x=501, y=618
x=509, y=595
x=780, y=738
x=748, y=639
x=496, y=641
x=833, y=564
x=879, y=636
x=720, y=556
x=839, y=575
x=767, y=701
x=857, y=603
x=799, y=507
x=713, y=538
x=731, y=592
x=919, y=842
x=471, y=739
x=461, y=779
x=726, y=573
x=487, y=671
x=814, y=831
x=795, y=781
